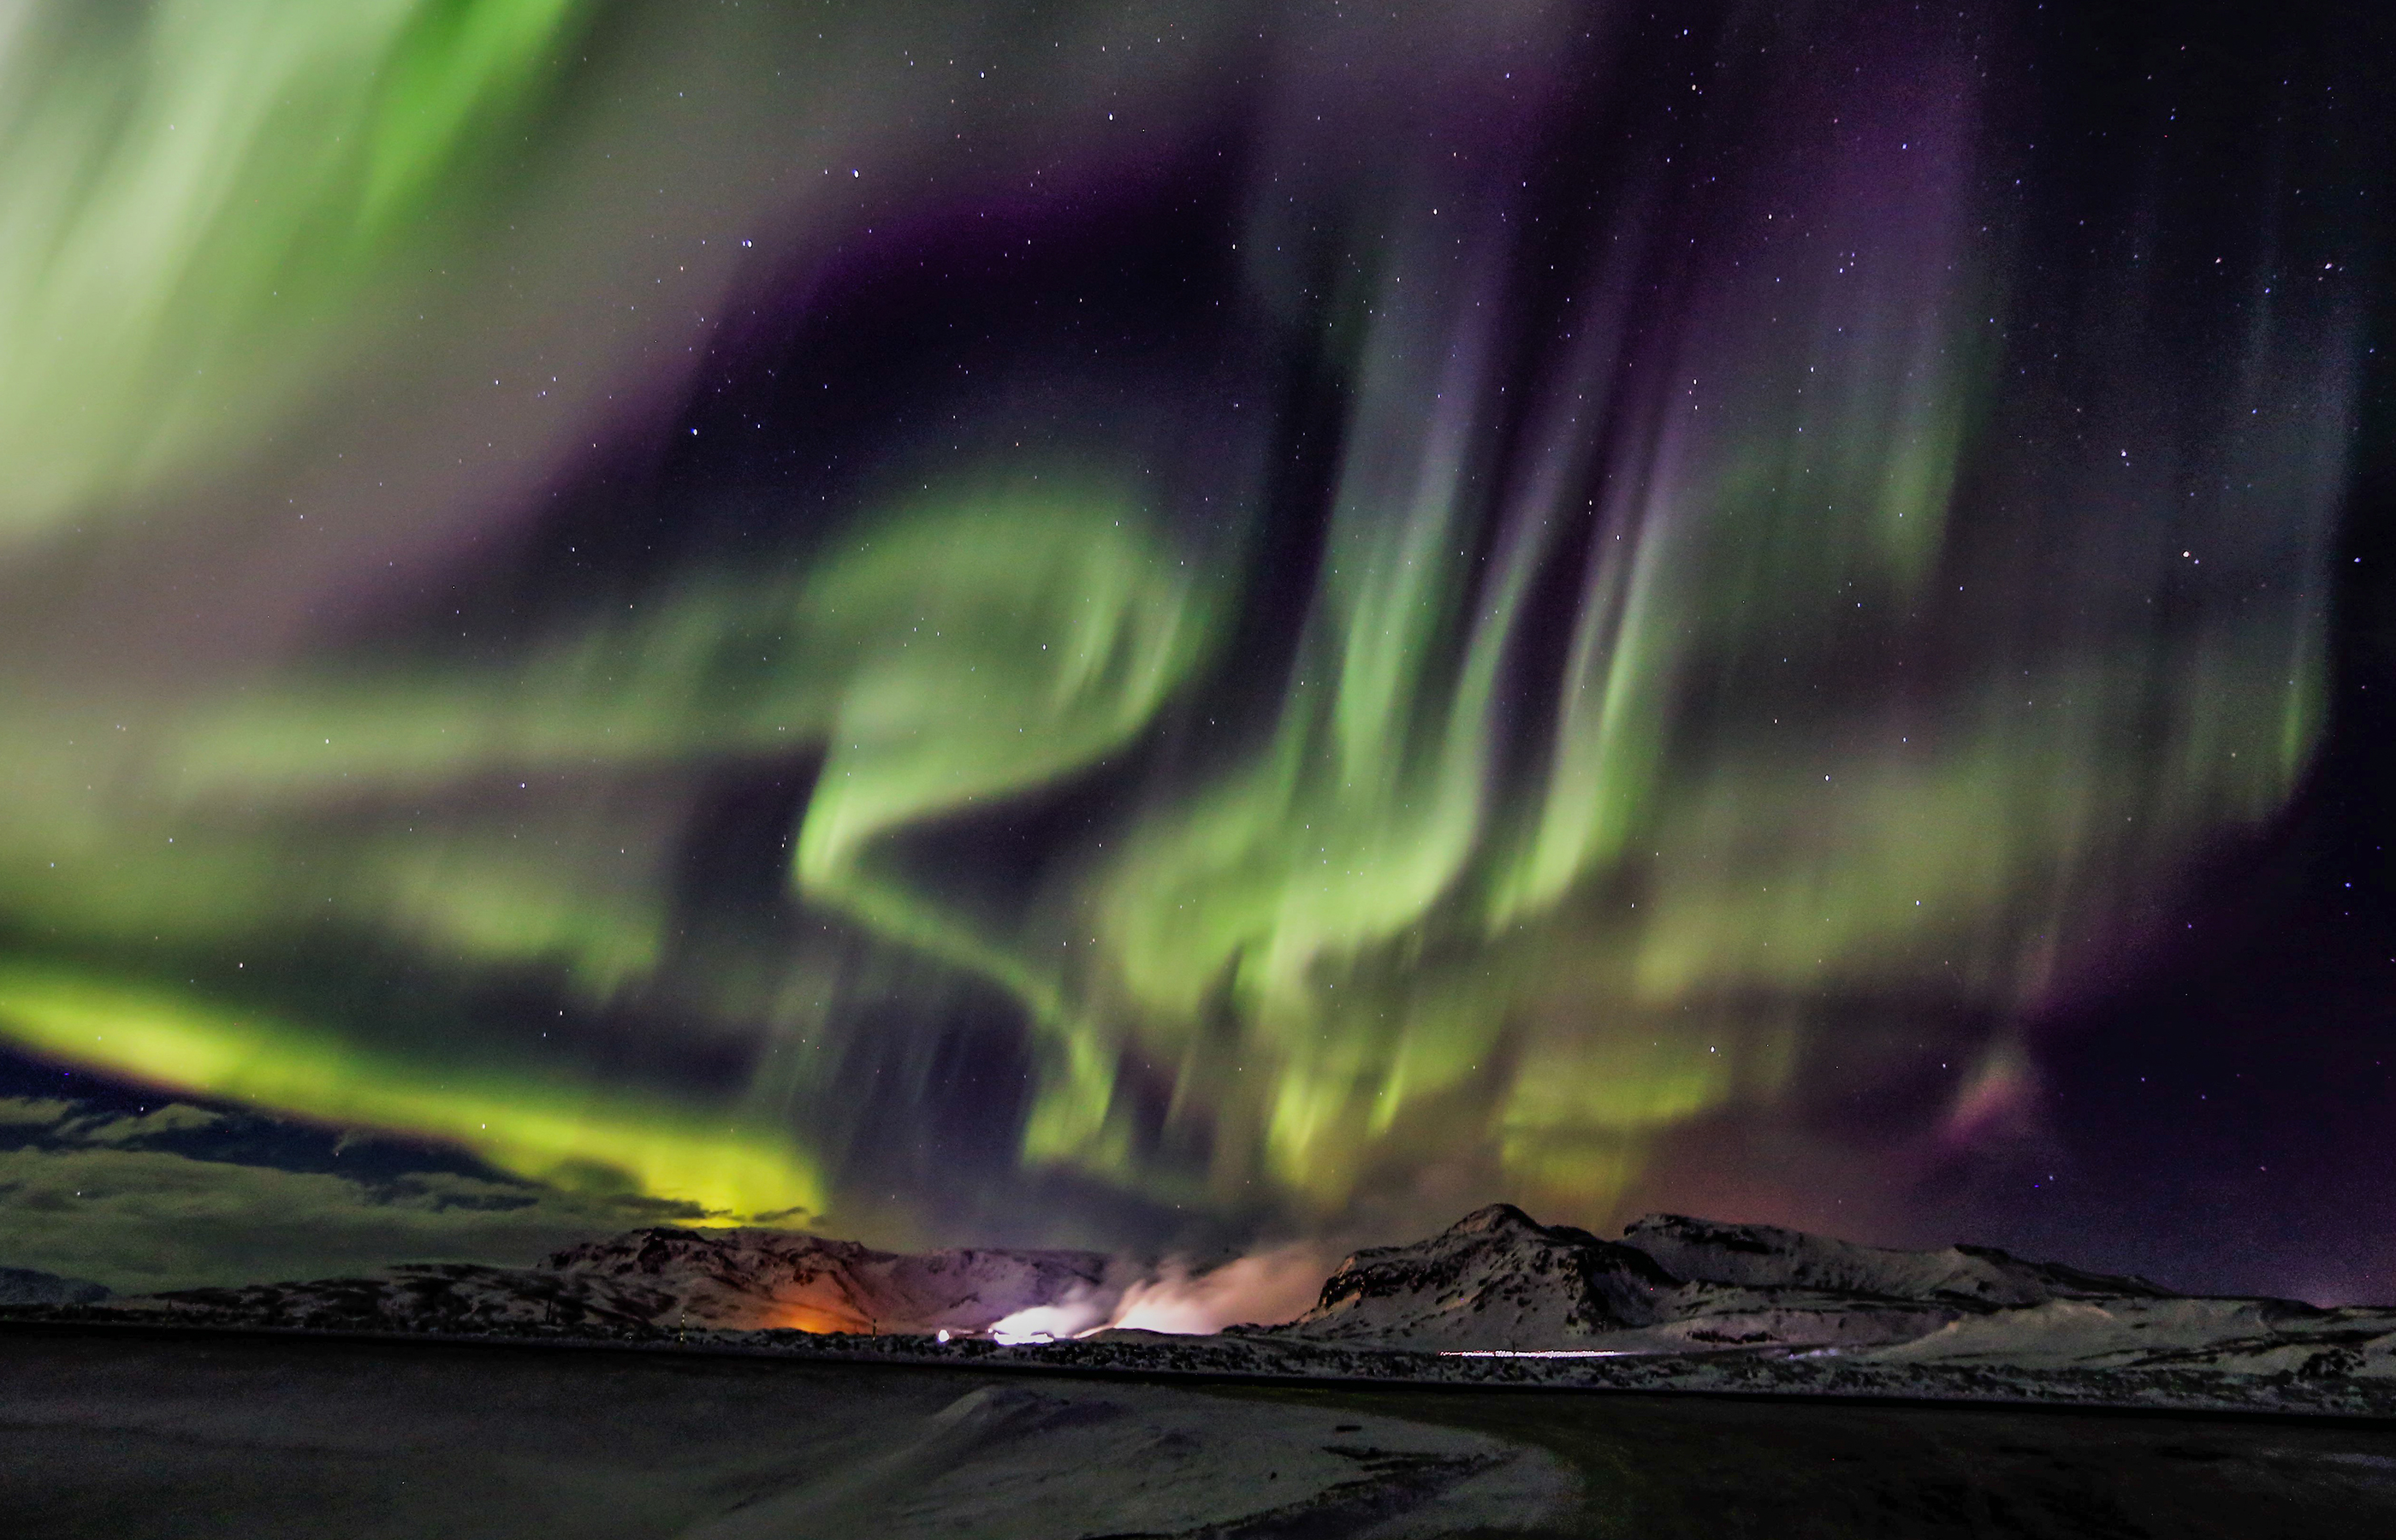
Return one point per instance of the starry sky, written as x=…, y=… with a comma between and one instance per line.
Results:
x=1179, y=627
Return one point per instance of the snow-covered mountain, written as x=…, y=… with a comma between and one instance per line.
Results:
x=1494, y=1279
x=673, y=1279
x=761, y=1278
x=1499, y=1279
x=1674, y=1301
x=1766, y=1256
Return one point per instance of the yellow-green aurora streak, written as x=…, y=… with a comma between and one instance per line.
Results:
x=551, y=1130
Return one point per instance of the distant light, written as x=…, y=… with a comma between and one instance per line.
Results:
x=1539, y=1352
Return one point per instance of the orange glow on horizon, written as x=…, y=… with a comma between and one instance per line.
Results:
x=804, y=1316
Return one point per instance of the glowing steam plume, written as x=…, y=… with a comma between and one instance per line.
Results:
x=1263, y=1288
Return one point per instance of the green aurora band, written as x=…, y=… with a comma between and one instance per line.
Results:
x=1544, y=843
x=195, y=190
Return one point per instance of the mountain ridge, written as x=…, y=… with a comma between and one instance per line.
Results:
x=1498, y=1280
x=1673, y=1290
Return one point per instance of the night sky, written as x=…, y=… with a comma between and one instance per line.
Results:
x=1175, y=628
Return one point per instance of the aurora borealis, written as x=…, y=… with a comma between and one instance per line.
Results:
x=1177, y=626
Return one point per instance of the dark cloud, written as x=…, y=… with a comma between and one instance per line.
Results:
x=94, y=1194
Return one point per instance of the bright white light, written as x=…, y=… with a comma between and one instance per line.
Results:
x=1080, y=1309
x=1538, y=1352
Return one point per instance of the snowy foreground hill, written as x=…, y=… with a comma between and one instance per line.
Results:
x=1496, y=1298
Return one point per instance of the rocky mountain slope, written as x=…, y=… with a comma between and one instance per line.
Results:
x=1495, y=1279
x=648, y=1280
x=1767, y=1256
x=757, y=1277
x=1500, y=1281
